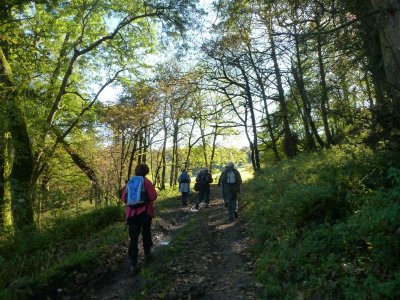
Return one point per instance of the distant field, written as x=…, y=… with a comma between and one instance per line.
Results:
x=246, y=173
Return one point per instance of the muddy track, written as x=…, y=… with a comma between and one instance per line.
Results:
x=214, y=263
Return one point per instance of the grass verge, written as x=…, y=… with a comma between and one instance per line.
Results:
x=67, y=252
x=327, y=225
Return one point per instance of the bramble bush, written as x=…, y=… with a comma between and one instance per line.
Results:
x=327, y=225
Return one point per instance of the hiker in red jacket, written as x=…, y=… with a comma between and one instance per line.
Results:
x=139, y=219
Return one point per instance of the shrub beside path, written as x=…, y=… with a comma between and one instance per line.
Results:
x=198, y=255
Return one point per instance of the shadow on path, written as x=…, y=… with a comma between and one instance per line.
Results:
x=215, y=263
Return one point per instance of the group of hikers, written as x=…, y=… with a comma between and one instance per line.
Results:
x=139, y=195
x=229, y=181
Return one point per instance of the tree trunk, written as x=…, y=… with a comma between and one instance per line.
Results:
x=267, y=115
x=388, y=24
x=132, y=156
x=252, y=118
x=370, y=37
x=22, y=165
x=44, y=194
x=324, y=90
x=289, y=144
x=174, y=158
x=146, y=141
x=87, y=169
x=298, y=75
x=164, y=150
x=3, y=143
x=213, y=147
x=203, y=139
x=190, y=146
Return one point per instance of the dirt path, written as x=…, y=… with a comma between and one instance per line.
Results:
x=211, y=261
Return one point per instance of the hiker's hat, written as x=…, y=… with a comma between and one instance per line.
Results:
x=230, y=165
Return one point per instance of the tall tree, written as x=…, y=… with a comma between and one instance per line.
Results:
x=67, y=59
x=388, y=24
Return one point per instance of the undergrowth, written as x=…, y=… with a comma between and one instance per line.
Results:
x=65, y=248
x=327, y=225
x=31, y=260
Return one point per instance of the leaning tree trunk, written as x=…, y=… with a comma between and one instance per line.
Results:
x=85, y=168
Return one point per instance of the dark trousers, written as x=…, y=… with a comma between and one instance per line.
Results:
x=137, y=224
x=204, y=194
x=231, y=199
x=184, y=198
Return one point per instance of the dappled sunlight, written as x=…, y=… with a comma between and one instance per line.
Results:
x=226, y=225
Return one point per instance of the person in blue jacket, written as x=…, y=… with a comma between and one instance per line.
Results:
x=184, y=186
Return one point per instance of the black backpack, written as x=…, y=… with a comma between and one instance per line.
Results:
x=204, y=177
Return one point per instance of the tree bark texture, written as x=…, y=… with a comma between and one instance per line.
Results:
x=22, y=164
x=371, y=43
x=388, y=24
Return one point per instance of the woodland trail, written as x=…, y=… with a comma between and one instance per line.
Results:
x=211, y=260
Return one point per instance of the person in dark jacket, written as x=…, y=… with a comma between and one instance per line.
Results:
x=139, y=219
x=230, y=180
x=204, y=179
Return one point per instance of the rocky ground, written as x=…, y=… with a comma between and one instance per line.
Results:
x=210, y=260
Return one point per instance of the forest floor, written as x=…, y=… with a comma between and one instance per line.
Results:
x=210, y=260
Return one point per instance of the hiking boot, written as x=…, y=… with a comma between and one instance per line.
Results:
x=236, y=214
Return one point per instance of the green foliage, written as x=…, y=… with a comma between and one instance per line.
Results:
x=223, y=155
x=327, y=225
x=31, y=262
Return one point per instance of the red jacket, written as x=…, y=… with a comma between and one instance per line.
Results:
x=149, y=207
